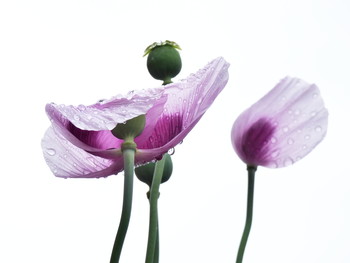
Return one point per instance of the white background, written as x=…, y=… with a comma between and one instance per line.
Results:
x=77, y=52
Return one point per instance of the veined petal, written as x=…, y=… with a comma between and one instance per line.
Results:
x=187, y=101
x=283, y=126
x=102, y=142
x=68, y=161
x=106, y=114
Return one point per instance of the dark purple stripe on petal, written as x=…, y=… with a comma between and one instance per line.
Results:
x=167, y=127
x=255, y=142
x=99, y=139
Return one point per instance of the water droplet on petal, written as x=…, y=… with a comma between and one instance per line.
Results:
x=296, y=112
x=273, y=140
x=304, y=147
x=76, y=117
x=313, y=113
x=273, y=165
x=285, y=129
x=288, y=161
x=290, y=141
x=275, y=153
x=81, y=107
x=307, y=137
x=51, y=151
x=318, y=128
x=315, y=95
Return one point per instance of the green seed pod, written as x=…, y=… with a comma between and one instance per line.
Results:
x=130, y=129
x=164, y=61
x=145, y=172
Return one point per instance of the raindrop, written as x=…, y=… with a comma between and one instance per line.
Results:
x=304, y=147
x=74, y=164
x=285, y=129
x=273, y=165
x=273, y=140
x=110, y=125
x=171, y=151
x=318, y=128
x=51, y=151
x=76, y=117
x=288, y=161
x=275, y=153
x=307, y=137
x=313, y=113
x=81, y=107
x=290, y=112
x=315, y=95
x=290, y=141
x=296, y=112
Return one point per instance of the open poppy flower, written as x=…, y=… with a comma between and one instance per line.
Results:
x=282, y=127
x=80, y=144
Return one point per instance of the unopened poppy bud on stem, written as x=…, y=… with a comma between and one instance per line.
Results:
x=164, y=61
x=145, y=172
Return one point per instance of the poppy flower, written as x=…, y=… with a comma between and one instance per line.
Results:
x=80, y=144
x=282, y=127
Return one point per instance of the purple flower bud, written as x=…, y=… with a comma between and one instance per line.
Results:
x=282, y=127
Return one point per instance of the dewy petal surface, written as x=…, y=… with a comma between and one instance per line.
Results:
x=106, y=114
x=83, y=145
x=66, y=160
x=187, y=101
x=283, y=126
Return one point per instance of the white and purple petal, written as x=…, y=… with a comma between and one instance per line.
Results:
x=187, y=101
x=68, y=161
x=283, y=126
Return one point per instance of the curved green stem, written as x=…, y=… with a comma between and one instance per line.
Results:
x=129, y=156
x=249, y=218
x=153, y=234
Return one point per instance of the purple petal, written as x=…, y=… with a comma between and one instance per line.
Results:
x=283, y=126
x=106, y=114
x=66, y=160
x=187, y=101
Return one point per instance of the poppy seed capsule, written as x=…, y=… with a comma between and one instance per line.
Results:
x=130, y=129
x=164, y=61
x=145, y=172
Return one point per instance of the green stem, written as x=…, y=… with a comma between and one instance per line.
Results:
x=249, y=218
x=129, y=156
x=153, y=234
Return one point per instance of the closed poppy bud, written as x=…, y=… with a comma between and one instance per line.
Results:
x=130, y=129
x=145, y=172
x=164, y=61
